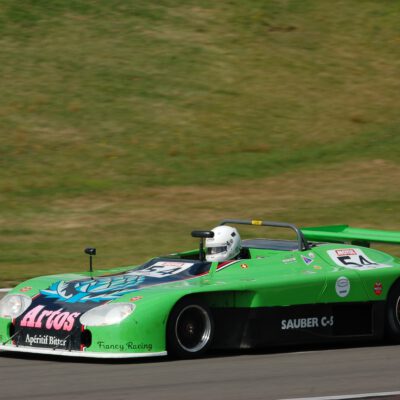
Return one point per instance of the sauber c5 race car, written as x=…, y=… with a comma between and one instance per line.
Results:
x=328, y=285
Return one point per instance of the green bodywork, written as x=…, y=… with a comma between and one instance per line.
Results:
x=267, y=278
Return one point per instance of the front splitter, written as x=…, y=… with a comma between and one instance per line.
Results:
x=74, y=353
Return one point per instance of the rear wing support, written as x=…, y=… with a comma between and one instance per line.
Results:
x=302, y=242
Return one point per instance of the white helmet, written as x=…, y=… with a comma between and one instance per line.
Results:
x=225, y=244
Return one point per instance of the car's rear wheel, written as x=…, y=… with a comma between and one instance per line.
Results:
x=393, y=313
x=190, y=329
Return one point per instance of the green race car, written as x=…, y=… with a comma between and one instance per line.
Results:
x=328, y=285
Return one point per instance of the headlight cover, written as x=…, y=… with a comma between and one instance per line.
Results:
x=107, y=314
x=13, y=305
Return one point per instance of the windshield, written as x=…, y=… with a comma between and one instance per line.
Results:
x=171, y=269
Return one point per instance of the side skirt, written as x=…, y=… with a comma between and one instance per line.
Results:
x=300, y=324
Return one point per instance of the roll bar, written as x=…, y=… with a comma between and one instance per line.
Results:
x=302, y=242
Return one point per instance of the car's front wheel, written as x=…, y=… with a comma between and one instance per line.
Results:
x=190, y=329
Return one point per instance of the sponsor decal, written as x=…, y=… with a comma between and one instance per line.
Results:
x=307, y=323
x=25, y=289
x=50, y=323
x=124, y=346
x=307, y=260
x=110, y=346
x=46, y=340
x=244, y=266
x=289, y=260
x=40, y=318
x=317, y=267
x=346, y=252
x=342, y=286
x=139, y=346
x=311, y=255
x=378, y=288
x=354, y=259
x=136, y=298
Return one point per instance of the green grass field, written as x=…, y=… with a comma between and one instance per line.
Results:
x=126, y=124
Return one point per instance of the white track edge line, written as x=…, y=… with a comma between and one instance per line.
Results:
x=346, y=396
x=4, y=290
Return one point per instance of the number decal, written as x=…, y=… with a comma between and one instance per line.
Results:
x=346, y=260
x=354, y=259
x=162, y=269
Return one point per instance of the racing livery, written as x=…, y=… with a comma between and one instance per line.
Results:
x=328, y=285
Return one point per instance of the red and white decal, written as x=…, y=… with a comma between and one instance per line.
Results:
x=225, y=264
x=346, y=252
x=378, y=288
x=354, y=259
x=136, y=298
x=25, y=289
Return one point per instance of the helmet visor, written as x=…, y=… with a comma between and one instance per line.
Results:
x=216, y=250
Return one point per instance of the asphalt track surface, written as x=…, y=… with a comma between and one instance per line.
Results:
x=257, y=375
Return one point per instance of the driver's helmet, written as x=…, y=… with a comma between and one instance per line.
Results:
x=225, y=244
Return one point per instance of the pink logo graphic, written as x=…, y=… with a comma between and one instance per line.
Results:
x=39, y=318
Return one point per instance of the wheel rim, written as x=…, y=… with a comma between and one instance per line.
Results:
x=193, y=328
x=398, y=310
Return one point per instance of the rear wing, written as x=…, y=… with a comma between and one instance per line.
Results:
x=345, y=233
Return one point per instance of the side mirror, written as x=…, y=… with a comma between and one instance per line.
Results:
x=202, y=235
x=91, y=251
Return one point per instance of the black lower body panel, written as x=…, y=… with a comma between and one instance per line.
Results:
x=301, y=324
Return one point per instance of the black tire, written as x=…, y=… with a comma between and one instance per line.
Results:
x=190, y=329
x=393, y=314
